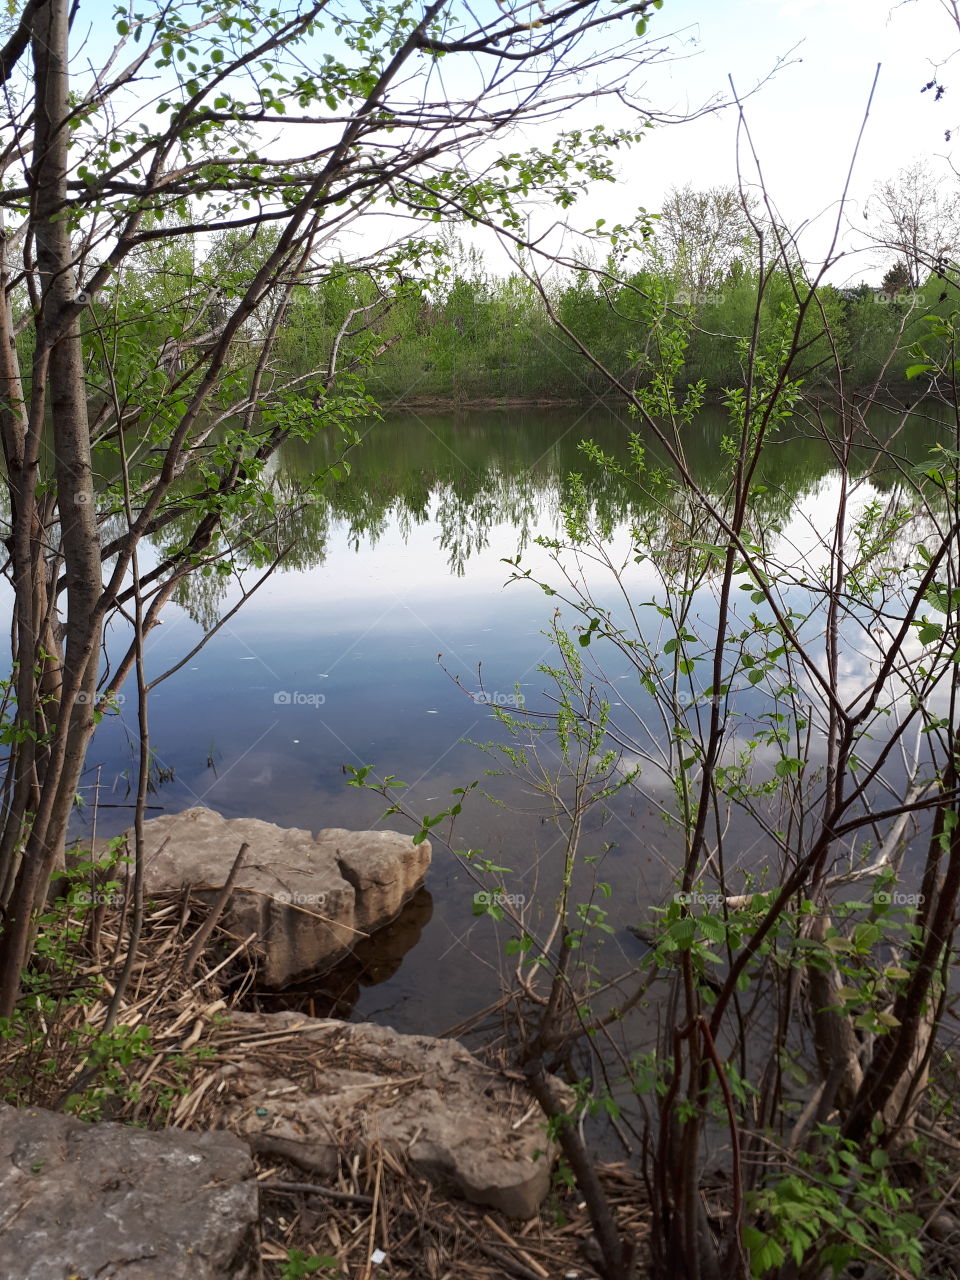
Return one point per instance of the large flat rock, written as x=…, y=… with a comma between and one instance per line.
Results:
x=316, y=1090
x=310, y=898
x=120, y=1203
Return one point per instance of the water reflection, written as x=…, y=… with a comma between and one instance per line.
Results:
x=464, y=476
x=400, y=561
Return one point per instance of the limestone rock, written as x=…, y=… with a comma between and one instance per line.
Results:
x=469, y=1128
x=120, y=1203
x=309, y=898
x=369, y=861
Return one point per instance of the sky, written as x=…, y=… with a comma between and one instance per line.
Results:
x=804, y=122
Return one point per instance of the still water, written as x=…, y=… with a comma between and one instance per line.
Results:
x=371, y=646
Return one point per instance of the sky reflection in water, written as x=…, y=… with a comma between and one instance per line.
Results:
x=335, y=662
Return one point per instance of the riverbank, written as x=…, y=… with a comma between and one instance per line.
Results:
x=448, y=404
x=167, y=1064
x=894, y=395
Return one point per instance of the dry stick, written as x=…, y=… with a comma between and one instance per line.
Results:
x=744, y=1266
x=202, y=935
x=509, y=1264
x=617, y=1254
x=143, y=724
x=372, y=1235
x=311, y=1189
x=508, y=1240
x=241, y=946
x=97, y=914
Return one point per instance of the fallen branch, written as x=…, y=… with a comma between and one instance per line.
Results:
x=202, y=935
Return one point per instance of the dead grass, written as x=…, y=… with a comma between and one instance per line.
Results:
x=376, y=1218
x=379, y=1206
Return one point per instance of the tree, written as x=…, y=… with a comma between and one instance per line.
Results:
x=136, y=408
x=896, y=279
x=701, y=234
x=802, y=1018
x=918, y=217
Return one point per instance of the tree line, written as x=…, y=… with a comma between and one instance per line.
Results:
x=477, y=335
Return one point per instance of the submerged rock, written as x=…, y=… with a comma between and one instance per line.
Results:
x=114, y=1201
x=309, y=898
x=312, y=1090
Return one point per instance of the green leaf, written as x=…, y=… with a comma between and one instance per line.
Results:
x=712, y=929
x=682, y=932
x=765, y=1253
x=787, y=766
x=928, y=632
x=866, y=935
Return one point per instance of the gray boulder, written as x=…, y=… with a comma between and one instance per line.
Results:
x=118, y=1203
x=476, y=1132
x=309, y=898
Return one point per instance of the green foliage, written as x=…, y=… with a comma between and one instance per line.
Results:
x=829, y=1216
x=299, y=1264
x=456, y=332
x=728, y=718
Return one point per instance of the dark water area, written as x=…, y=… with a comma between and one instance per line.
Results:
x=383, y=640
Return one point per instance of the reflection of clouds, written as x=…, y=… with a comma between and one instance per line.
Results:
x=412, y=564
x=861, y=658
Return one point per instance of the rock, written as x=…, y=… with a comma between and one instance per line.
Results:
x=373, y=960
x=345, y=1086
x=309, y=898
x=120, y=1203
x=944, y=1226
x=375, y=864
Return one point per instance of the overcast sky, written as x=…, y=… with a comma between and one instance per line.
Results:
x=805, y=121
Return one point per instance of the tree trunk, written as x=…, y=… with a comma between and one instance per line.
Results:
x=57, y=378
